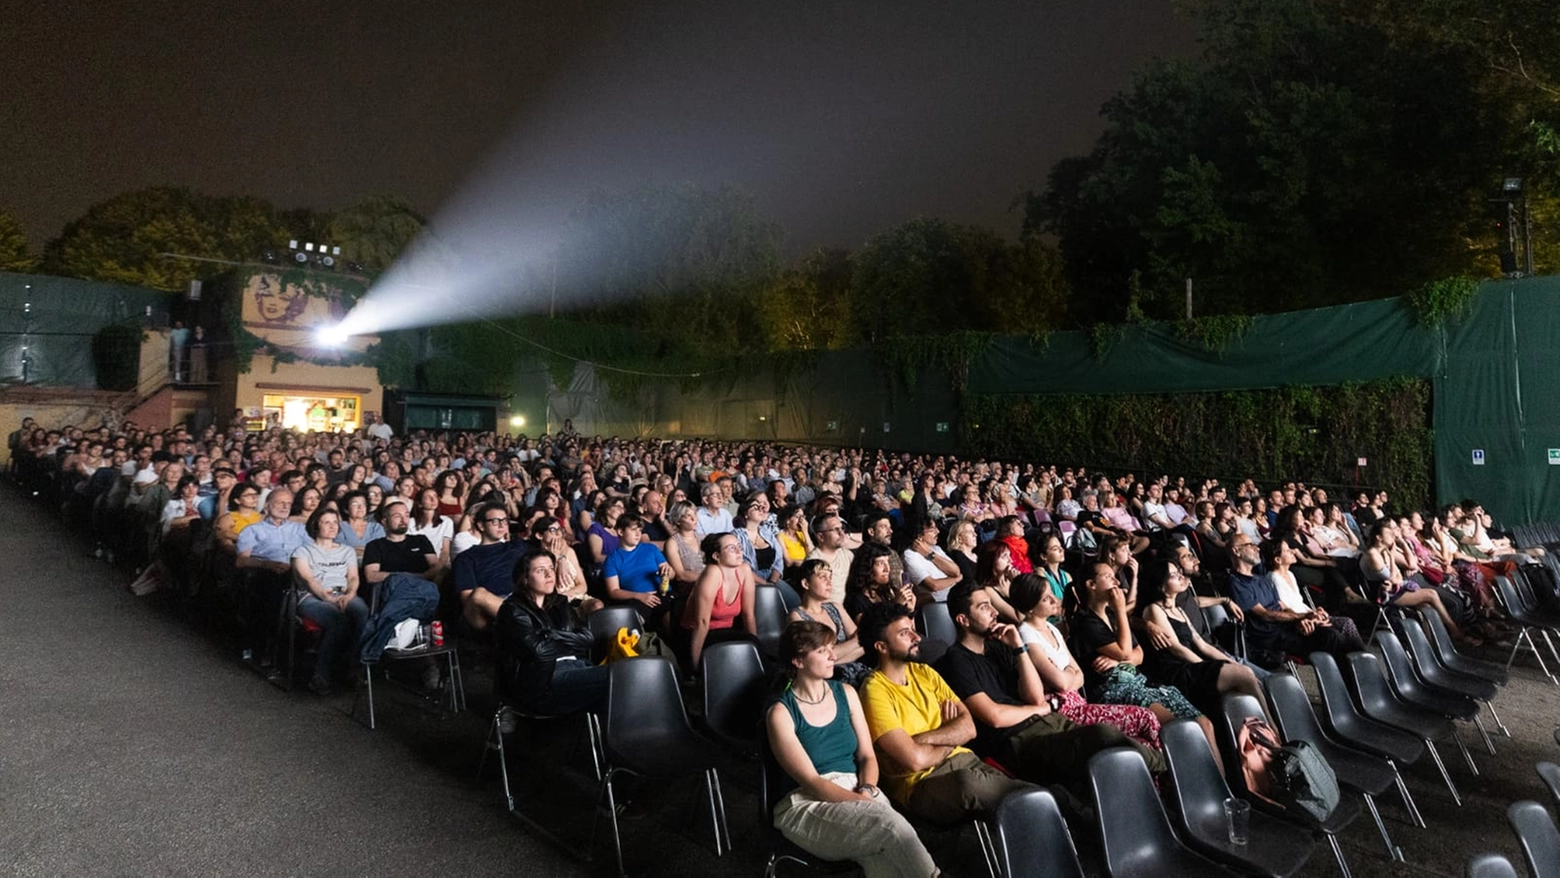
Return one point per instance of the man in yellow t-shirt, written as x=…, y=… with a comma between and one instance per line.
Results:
x=919, y=728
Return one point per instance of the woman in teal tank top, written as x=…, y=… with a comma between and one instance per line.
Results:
x=819, y=737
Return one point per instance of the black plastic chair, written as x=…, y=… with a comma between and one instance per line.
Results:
x=1032, y=839
x=1411, y=636
x=1527, y=622
x=1540, y=839
x=1446, y=652
x=1274, y=847
x=647, y=734
x=1549, y=773
x=1491, y=866
x=605, y=623
x=1137, y=835
x=734, y=694
x=1410, y=688
x=1345, y=723
x=772, y=786
x=1239, y=708
x=454, y=689
x=770, y=614
x=1373, y=696
x=1366, y=774
x=937, y=623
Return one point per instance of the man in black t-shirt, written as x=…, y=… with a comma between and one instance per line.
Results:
x=1016, y=722
x=396, y=551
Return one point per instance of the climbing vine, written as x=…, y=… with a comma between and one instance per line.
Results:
x=1214, y=333
x=1442, y=301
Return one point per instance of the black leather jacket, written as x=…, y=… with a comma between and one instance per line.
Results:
x=531, y=639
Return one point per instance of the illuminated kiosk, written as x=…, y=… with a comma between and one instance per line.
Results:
x=298, y=377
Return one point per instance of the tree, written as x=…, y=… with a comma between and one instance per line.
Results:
x=375, y=231
x=15, y=255
x=677, y=261
x=1320, y=151
x=808, y=307
x=126, y=239
x=931, y=276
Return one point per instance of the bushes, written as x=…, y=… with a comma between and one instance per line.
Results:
x=1314, y=434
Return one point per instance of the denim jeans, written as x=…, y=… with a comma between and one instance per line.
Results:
x=334, y=624
x=403, y=597
x=575, y=686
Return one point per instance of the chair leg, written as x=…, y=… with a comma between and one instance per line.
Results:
x=1393, y=851
x=720, y=801
x=1408, y=800
x=709, y=792
x=988, y=849
x=593, y=732
x=772, y=866
x=1472, y=766
x=1484, y=733
x=1496, y=716
x=1551, y=644
x=1294, y=669
x=503, y=759
x=1337, y=848
x=368, y=678
x=1445, y=775
x=617, y=840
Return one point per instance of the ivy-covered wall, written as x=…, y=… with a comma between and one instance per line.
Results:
x=1315, y=434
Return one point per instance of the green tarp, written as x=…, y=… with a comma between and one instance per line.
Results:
x=54, y=319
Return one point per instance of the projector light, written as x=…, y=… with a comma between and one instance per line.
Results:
x=333, y=336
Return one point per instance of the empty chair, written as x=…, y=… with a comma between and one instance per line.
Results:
x=1549, y=773
x=770, y=614
x=1446, y=652
x=1237, y=709
x=1366, y=774
x=1137, y=835
x=1527, y=622
x=734, y=693
x=1540, y=839
x=937, y=624
x=1032, y=838
x=1275, y=847
x=1491, y=866
x=1344, y=722
x=647, y=734
x=1412, y=636
x=1411, y=689
x=1373, y=696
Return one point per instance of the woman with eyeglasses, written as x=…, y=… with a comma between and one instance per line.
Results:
x=243, y=510
x=726, y=590
x=547, y=533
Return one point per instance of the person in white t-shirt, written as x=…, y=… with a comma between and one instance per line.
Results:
x=927, y=566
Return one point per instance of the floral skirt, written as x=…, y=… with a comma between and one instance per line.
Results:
x=1137, y=723
x=1127, y=685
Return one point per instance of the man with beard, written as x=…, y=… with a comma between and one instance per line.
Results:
x=919, y=727
x=404, y=566
x=1016, y=722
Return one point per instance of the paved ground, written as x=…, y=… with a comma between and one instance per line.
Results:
x=131, y=743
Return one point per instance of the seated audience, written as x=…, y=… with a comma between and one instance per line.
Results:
x=545, y=661
x=1276, y=628
x=725, y=591
x=326, y=572
x=817, y=587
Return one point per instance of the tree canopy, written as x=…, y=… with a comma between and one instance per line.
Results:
x=15, y=255
x=1320, y=151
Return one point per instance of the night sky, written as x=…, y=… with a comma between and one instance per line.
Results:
x=842, y=118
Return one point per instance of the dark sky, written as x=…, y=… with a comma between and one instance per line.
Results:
x=842, y=118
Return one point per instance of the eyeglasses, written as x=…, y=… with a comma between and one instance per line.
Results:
x=553, y=528
x=495, y=521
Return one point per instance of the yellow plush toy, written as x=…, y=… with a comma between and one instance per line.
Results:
x=623, y=646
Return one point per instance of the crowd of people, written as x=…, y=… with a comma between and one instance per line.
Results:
x=1078, y=598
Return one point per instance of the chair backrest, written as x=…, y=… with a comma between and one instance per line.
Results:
x=1399, y=669
x=1509, y=596
x=734, y=690
x=1540, y=839
x=1549, y=773
x=1490, y=866
x=644, y=706
x=1340, y=711
x=1199, y=787
x=937, y=623
x=1032, y=838
x=1132, y=821
x=1236, y=709
x=1216, y=616
x=1368, y=684
x=1292, y=710
x=1440, y=638
x=605, y=623
x=770, y=612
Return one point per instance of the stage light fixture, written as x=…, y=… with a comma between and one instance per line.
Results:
x=332, y=336
x=300, y=257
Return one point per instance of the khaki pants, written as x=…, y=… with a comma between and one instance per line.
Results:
x=959, y=788
x=873, y=834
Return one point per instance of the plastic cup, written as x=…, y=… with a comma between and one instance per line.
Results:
x=1238, y=812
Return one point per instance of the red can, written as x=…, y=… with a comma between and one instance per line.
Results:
x=438, y=633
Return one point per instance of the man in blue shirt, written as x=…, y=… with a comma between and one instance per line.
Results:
x=1272, y=631
x=265, y=560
